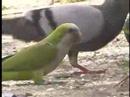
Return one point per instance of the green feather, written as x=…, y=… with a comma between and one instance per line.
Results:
x=31, y=58
x=126, y=30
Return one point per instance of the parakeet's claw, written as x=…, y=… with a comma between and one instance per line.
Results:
x=40, y=82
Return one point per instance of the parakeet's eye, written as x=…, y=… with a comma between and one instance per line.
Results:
x=72, y=30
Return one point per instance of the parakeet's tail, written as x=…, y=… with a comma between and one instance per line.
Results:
x=4, y=58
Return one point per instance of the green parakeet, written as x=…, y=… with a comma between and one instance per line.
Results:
x=37, y=60
x=126, y=29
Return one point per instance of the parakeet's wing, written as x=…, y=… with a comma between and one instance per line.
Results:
x=6, y=57
x=31, y=58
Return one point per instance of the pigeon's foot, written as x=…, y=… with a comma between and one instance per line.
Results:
x=90, y=72
x=87, y=71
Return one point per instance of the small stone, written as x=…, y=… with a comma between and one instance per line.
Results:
x=60, y=86
x=71, y=87
x=50, y=89
x=7, y=94
x=82, y=75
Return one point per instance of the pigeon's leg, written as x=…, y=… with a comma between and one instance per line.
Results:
x=73, y=56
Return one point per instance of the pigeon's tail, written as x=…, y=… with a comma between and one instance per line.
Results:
x=21, y=29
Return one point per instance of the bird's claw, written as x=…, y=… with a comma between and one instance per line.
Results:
x=91, y=72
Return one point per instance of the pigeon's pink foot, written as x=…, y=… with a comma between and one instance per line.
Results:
x=86, y=71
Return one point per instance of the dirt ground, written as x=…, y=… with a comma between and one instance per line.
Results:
x=63, y=83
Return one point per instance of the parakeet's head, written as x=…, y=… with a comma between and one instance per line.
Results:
x=71, y=31
x=67, y=33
